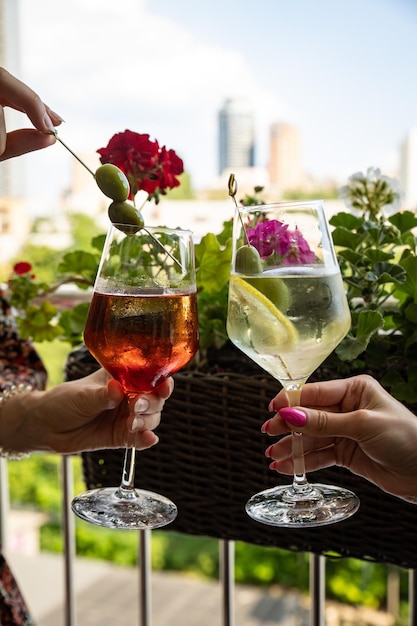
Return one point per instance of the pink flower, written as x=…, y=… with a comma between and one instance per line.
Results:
x=268, y=237
x=272, y=237
x=299, y=252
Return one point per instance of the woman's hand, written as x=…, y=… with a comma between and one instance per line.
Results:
x=18, y=96
x=353, y=423
x=86, y=414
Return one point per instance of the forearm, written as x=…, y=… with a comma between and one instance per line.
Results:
x=20, y=431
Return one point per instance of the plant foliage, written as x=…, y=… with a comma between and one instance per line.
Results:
x=376, y=248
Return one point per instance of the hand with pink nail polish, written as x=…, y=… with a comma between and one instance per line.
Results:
x=16, y=95
x=353, y=423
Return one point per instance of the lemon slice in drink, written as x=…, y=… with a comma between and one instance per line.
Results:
x=252, y=314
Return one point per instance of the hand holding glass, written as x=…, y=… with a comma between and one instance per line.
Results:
x=287, y=312
x=142, y=327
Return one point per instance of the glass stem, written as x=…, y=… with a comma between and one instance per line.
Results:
x=300, y=479
x=300, y=483
x=128, y=475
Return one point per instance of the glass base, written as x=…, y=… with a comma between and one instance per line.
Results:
x=315, y=505
x=114, y=507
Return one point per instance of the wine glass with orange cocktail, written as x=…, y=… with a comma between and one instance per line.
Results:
x=142, y=328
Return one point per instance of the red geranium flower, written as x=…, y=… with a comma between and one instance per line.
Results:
x=22, y=267
x=148, y=166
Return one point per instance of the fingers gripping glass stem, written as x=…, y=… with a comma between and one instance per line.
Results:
x=129, y=463
x=300, y=483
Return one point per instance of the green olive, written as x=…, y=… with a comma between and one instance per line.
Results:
x=274, y=289
x=112, y=182
x=126, y=217
x=248, y=261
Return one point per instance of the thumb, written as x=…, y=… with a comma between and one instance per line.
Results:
x=108, y=396
x=22, y=141
x=115, y=394
x=320, y=423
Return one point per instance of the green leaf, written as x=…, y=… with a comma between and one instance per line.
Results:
x=410, y=312
x=38, y=332
x=403, y=390
x=97, y=242
x=390, y=272
x=344, y=238
x=404, y=221
x=350, y=255
x=73, y=322
x=226, y=233
x=409, y=286
x=213, y=263
x=346, y=220
x=368, y=323
x=376, y=255
x=212, y=333
x=83, y=263
x=411, y=339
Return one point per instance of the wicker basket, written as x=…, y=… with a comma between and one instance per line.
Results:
x=210, y=460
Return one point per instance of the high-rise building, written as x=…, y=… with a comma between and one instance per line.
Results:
x=236, y=135
x=285, y=162
x=14, y=222
x=11, y=171
x=408, y=169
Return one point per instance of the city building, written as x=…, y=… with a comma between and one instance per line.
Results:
x=285, y=160
x=408, y=169
x=11, y=171
x=14, y=221
x=236, y=135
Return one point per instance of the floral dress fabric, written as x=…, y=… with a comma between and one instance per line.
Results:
x=13, y=609
x=19, y=363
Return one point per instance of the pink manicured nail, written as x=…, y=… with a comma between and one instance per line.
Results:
x=296, y=417
x=264, y=427
x=273, y=465
x=268, y=450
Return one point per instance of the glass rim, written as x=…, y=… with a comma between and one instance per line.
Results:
x=285, y=204
x=165, y=229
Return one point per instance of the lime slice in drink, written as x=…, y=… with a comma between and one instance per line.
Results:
x=269, y=331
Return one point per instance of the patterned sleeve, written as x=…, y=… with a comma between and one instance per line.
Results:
x=19, y=361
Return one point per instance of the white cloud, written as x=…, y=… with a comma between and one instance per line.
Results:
x=106, y=66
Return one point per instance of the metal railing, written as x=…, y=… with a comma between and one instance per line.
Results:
x=227, y=555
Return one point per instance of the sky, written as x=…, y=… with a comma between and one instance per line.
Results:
x=343, y=72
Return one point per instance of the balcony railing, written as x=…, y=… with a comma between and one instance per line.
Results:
x=208, y=461
x=226, y=547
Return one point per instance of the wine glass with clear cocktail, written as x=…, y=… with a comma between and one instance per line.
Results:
x=287, y=311
x=142, y=328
